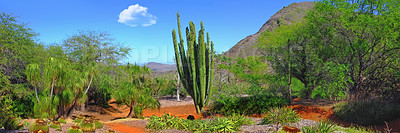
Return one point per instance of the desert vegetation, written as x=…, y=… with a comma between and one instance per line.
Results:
x=342, y=52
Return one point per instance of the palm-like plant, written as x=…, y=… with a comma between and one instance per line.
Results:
x=134, y=90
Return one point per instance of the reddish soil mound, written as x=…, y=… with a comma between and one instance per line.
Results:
x=124, y=128
x=312, y=113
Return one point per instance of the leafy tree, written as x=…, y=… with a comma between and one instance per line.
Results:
x=94, y=53
x=289, y=51
x=363, y=36
x=17, y=48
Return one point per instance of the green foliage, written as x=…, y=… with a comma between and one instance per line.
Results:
x=225, y=124
x=17, y=49
x=7, y=115
x=47, y=108
x=280, y=116
x=98, y=124
x=252, y=70
x=231, y=105
x=323, y=126
x=62, y=120
x=12, y=124
x=363, y=41
x=196, y=64
x=367, y=113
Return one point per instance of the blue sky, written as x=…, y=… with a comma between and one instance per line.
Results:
x=144, y=25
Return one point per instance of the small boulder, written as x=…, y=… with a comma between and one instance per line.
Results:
x=190, y=117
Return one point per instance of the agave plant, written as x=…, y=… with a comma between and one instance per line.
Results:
x=40, y=124
x=74, y=129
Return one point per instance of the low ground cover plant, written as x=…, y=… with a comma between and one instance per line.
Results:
x=280, y=116
x=367, y=113
x=219, y=124
x=258, y=104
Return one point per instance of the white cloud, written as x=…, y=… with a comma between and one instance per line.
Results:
x=136, y=15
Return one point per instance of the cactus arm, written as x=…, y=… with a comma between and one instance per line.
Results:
x=211, y=76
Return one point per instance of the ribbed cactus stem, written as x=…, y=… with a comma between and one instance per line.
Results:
x=195, y=66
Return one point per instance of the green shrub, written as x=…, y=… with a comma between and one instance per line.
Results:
x=222, y=125
x=74, y=129
x=98, y=124
x=367, y=113
x=39, y=124
x=324, y=126
x=12, y=124
x=230, y=105
x=219, y=124
x=62, y=120
x=280, y=115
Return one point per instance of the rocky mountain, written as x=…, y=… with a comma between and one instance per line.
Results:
x=159, y=67
x=293, y=12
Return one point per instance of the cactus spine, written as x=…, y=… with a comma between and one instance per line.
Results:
x=196, y=65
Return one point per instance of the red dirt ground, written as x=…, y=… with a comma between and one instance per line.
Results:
x=125, y=128
x=182, y=111
x=313, y=113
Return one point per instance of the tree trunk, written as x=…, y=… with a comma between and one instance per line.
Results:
x=132, y=110
x=91, y=79
x=83, y=107
x=52, y=88
x=36, y=94
x=177, y=94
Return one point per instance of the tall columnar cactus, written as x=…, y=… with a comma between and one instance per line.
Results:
x=196, y=65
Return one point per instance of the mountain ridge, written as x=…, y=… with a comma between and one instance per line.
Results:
x=287, y=15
